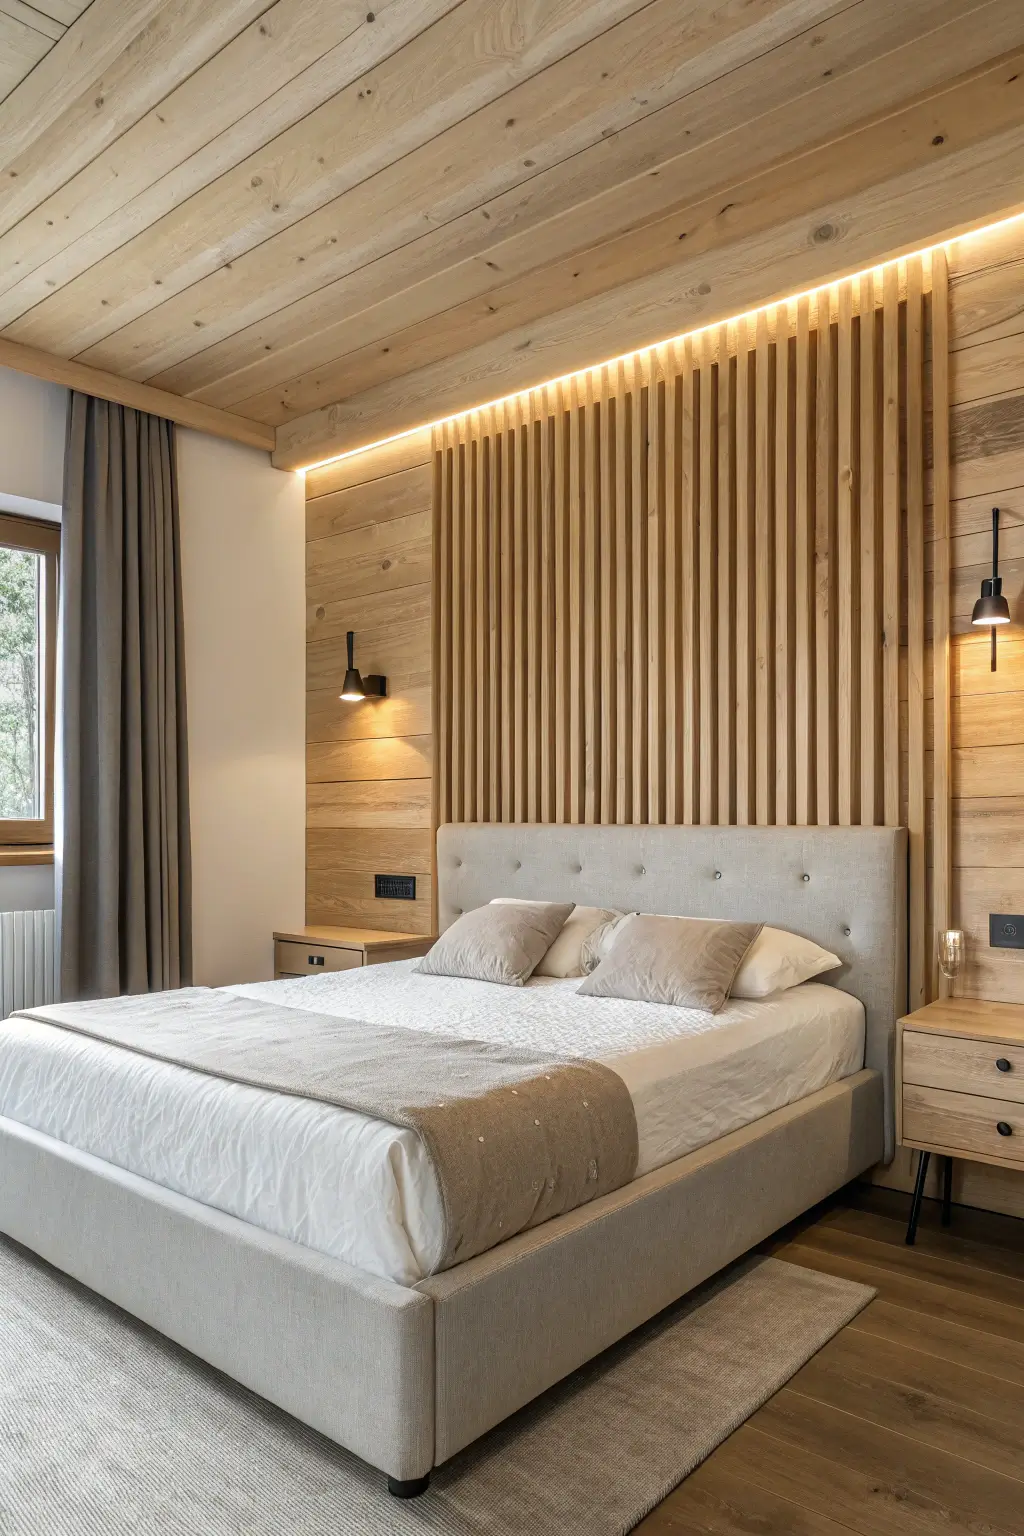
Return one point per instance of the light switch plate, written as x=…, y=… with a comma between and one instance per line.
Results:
x=1006, y=930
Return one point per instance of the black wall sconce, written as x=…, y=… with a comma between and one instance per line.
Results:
x=992, y=609
x=373, y=686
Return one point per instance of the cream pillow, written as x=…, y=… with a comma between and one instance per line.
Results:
x=503, y=946
x=778, y=960
x=572, y=953
x=680, y=961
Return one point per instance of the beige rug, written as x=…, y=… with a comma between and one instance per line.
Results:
x=106, y=1427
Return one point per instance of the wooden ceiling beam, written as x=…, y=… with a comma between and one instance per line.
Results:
x=634, y=227
x=832, y=236
x=140, y=397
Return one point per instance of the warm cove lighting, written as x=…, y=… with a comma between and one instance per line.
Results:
x=625, y=357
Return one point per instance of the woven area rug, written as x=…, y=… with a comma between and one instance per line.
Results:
x=106, y=1427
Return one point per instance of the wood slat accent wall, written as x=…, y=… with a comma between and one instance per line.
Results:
x=369, y=766
x=671, y=589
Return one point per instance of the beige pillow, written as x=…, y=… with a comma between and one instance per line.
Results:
x=501, y=943
x=682, y=961
x=572, y=953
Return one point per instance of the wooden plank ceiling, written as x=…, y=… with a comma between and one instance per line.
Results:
x=28, y=30
x=342, y=222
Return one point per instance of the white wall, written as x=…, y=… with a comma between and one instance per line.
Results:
x=32, y=416
x=243, y=573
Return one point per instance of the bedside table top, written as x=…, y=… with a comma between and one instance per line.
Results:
x=350, y=938
x=972, y=1018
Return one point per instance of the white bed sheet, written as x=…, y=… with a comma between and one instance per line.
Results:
x=363, y=1191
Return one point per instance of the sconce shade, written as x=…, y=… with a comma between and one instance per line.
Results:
x=354, y=687
x=991, y=607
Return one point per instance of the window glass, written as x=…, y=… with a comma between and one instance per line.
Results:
x=21, y=643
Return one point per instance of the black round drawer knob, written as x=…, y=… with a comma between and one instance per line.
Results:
x=1004, y=1128
x=1002, y=1065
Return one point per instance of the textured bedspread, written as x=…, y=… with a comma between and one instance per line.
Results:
x=516, y=1136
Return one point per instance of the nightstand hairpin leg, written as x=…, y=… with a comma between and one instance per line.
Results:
x=915, y=1208
x=947, y=1191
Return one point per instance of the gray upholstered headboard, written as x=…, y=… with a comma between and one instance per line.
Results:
x=844, y=887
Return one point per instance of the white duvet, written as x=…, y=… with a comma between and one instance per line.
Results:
x=363, y=1191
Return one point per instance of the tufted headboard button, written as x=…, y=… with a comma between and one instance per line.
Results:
x=805, y=878
x=718, y=874
x=847, y=931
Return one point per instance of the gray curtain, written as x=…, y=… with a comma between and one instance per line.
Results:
x=125, y=900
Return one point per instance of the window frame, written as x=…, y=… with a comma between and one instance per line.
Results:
x=38, y=538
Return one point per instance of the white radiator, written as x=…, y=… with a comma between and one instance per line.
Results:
x=28, y=960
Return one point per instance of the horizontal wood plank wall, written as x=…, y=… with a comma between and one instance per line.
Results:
x=671, y=589
x=987, y=469
x=369, y=568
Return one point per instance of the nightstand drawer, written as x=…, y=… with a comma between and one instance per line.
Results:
x=312, y=959
x=964, y=1066
x=963, y=1122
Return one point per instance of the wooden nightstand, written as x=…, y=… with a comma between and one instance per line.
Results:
x=960, y=1088
x=310, y=951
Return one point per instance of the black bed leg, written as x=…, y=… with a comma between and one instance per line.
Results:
x=408, y=1488
x=915, y=1208
x=947, y=1191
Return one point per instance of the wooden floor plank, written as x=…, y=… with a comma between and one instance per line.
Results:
x=941, y=1243
x=837, y=1466
x=988, y=1227
x=922, y=1263
x=713, y=1502
x=951, y=1342
x=947, y=1407
x=956, y=1306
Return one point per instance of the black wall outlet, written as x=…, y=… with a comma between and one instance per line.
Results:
x=395, y=887
x=1006, y=930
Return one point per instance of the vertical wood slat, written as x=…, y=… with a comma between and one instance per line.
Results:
x=494, y=461
x=891, y=542
x=744, y=609
x=764, y=626
x=508, y=801
x=803, y=569
x=649, y=691
x=688, y=598
x=942, y=858
x=673, y=594
x=672, y=589
x=915, y=631
x=644, y=592
x=847, y=568
x=869, y=529
x=576, y=724
x=621, y=743
x=707, y=586
x=824, y=567
x=546, y=638
x=785, y=746
x=726, y=492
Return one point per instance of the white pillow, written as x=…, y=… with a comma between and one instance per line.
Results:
x=778, y=960
x=566, y=956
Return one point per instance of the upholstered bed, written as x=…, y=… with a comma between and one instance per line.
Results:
x=344, y=1325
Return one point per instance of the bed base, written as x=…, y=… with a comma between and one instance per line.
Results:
x=406, y=1377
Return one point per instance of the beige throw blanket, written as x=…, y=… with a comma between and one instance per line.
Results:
x=515, y=1136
